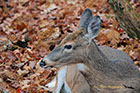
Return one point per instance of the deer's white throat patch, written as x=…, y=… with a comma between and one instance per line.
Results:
x=81, y=67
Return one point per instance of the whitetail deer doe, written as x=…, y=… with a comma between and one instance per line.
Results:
x=102, y=69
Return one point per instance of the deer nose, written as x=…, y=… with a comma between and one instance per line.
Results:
x=42, y=63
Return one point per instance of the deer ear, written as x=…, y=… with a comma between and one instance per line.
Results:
x=94, y=27
x=85, y=19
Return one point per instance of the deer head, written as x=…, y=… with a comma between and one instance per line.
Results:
x=75, y=47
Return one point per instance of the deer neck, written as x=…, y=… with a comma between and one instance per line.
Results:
x=100, y=69
x=97, y=61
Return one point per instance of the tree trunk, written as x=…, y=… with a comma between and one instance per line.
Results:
x=126, y=16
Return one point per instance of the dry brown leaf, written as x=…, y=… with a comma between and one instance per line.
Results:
x=3, y=35
x=113, y=36
x=22, y=72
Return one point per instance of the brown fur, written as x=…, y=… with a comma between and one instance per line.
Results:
x=107, y=67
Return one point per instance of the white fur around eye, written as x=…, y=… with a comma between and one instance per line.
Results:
x=68, y=50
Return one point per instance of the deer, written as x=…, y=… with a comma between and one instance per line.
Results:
x=104, y=69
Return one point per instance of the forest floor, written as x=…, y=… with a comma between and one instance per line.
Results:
x=30, y=29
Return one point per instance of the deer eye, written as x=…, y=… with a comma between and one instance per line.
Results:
x=68, y=46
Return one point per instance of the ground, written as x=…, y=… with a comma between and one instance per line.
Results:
x=30, y=29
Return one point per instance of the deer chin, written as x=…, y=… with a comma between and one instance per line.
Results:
x=51, y=64
x=55, y=65
x=48, y=67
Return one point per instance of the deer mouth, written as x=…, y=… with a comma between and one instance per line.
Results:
x=48, y=67
x=47, y=64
